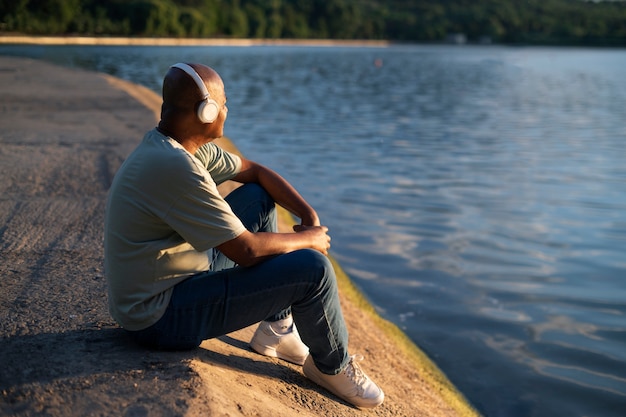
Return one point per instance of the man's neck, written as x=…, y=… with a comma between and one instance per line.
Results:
x=191, y=143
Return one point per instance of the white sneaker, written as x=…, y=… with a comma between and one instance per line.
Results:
x=351, y=384
x=286, y=346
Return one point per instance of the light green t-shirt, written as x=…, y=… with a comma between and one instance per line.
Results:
x=163, y=216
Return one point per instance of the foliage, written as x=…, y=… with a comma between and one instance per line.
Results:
x=508, y=21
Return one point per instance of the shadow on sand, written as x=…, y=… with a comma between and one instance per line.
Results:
x=102, y=369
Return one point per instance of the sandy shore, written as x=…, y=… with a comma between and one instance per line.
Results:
x=137, y=41
x=63, y=134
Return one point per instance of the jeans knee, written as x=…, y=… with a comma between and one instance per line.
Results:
x=321, y=267
x=254, y=207
x=251, y=192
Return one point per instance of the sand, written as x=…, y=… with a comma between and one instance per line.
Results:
x=152, y=41
x=63, y=134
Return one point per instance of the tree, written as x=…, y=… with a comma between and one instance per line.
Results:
x=510, y=21
x=233, y=20
x=195, y=24
x=257, y=22
x=294, y=24
x=154, y=18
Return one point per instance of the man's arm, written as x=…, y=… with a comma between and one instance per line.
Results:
x=251, y=248
x=248, y=248
x=279, y=189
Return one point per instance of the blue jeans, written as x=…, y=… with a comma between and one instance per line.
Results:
x=228, y=297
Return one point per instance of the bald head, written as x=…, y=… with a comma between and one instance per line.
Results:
x=181, y=94
x=182, y=97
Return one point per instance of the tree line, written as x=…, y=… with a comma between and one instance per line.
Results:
x=502, y=21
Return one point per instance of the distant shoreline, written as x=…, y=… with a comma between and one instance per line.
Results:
x=126, y=41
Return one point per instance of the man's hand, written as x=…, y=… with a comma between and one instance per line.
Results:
x=320, y=240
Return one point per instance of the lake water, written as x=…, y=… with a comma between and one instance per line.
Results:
x=477, y=196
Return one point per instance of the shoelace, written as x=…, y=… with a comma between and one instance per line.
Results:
x=356, y=375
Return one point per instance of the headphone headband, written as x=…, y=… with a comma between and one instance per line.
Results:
x=208, y=110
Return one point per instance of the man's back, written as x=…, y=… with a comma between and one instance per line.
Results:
x=163, y=214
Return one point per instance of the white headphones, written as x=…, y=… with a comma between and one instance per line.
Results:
x=208, y=109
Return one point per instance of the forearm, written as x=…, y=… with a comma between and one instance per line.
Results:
x=283, y=193
x=286, y=196
x=251, y=248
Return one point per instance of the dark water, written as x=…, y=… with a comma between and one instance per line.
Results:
x=477, y=195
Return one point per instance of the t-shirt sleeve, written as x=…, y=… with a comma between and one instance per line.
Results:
x=220, y=164
x=199, y=213
x=203, y=218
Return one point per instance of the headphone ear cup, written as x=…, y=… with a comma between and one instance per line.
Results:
x=208, y=110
